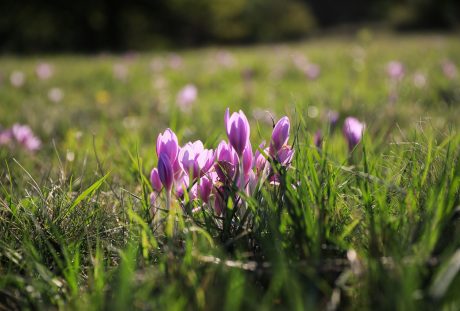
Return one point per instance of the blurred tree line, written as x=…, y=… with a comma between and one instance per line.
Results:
x=90, y=25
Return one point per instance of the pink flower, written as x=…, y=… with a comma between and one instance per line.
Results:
x=5, y=137
x=449, y=69
x=187, y=96
x=24, y=136
x=55, y=94
x=260, y=159
x=353, y=131
x=312, y=71
x=44, y=71
x=17, y=78
x=280, y=135
x=238, y=130
x=395, y=70
x=196, y=160
x=204, y=189
x=227, y=162
x=285, y=155
x=167, y=143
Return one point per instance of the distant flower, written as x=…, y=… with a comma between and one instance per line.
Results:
x=5, y=137
x=225, y=58
x=17, y=78
x=44, y=71
x=312, y=71
x=333, y=118
x=102, y=97
x=353, y=130
x=120, y=72
x=175, y=61
x=395, y=70
x=23, y=135
x=318, y=139
x=419, y=80
x=238, y=130
x=187, y=96
x=55, y=94
x=449, y=69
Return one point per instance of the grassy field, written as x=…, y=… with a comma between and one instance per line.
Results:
x=375, y=228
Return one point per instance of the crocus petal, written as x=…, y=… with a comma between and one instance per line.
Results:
x=155, y=180
x=165, y=171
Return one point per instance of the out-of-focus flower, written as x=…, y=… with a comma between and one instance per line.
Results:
x=5, y=137
x=419, y=80
x=238, y=130
x=186, y=97
x=23, y=135
x=225, y=58
x=157, y=64
x=312, y=71
x=175, y=61
x=102, y=97
x=353, y=130
x=55, y=94
x=17, y=78
x=204, y=188
x=44, y=71
x=449, y=69
x=333, y=118
x=120, y=72
x=395, y=70
x=318, y=139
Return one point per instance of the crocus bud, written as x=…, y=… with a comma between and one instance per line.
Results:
x=167, y=143
x=165, y=171
x=318, y=139
x=155, y=180
x=238, y=130
x=181, y=185
x=219, y=203
x=332, y=117
x=353, y=131
x=280, y=135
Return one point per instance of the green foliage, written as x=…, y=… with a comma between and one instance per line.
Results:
x=375, y=229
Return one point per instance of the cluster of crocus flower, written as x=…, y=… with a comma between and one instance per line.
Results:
x=21, y=135
x=210, y=177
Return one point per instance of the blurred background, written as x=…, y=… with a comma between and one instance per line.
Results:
x=32, y=26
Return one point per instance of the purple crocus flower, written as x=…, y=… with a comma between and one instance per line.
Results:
x=280, y=135
x=285, y=155
x=227, y=162
x=353, y=130
x=238, y=130
x=205, y=188
x=167, y=143
x=155, y=180
x=260, y=159
x=247, y=159
x=194, y=159
x=165, y=171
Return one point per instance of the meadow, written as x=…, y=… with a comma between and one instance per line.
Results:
x=372, y=224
